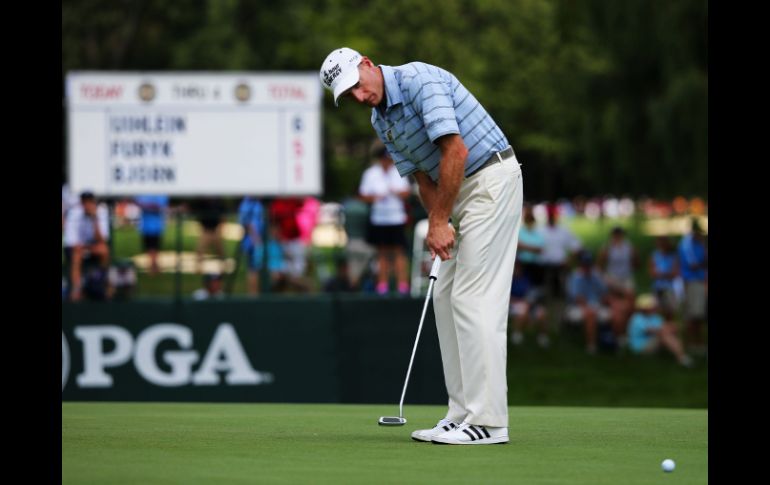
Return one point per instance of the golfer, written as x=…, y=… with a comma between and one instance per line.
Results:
x=466, y=170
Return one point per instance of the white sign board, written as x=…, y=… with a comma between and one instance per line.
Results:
x=192, y=134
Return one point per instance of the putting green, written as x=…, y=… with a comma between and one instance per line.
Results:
x=335, y=443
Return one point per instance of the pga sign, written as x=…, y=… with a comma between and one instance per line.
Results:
x=225, y=355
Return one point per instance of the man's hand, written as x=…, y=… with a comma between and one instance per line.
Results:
x=440, y=240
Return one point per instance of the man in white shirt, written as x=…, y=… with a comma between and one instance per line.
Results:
x=384, y=188
x=86, y=232
x=559, y=246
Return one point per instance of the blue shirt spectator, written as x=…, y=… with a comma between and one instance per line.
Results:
x=532, y=237
x=692, y=254
x=251, y=216
x=152, y=222
x=638, y=337
x=587, y=284
x=520, y=285
x=664, y=263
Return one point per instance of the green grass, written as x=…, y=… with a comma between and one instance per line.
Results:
x=565, y=375
x=292, y=443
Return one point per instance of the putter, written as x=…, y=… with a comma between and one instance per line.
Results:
x=400, y=420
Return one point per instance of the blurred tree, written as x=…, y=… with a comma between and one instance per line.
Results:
x=651, y=114
x=596, y=96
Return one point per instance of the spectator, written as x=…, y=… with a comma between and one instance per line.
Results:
x=560, y=244
x=526, y=304
x=68, y=200
x=664, y=269
x=531, y=244
x=587, y=297
x=618, y=260
x=281, y=279
x=122, y=279
x=358, y=252
x=87, y=254
x=693, y=259
x=152, y=225
x=251, y=217
x=210, y=214
x=212, y=288
x=307, y=219
x=383, y=188
x=341, y=282
x=283, y=213
x=648, y=332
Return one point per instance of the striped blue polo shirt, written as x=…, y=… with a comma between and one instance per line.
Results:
x=425, y=102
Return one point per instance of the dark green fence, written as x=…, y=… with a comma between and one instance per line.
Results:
x=351, y=349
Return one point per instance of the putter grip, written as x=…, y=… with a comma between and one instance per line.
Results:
x=435, y=268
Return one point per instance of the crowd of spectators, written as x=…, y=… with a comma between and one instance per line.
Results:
x=558, y=281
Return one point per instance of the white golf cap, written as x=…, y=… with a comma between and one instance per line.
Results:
x=339, y=71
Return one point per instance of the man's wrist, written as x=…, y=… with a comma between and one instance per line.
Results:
x=435, y=219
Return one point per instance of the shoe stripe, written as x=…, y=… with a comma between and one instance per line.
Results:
x=473, y=438
x=452, y=425
x=446, y=428
x=478, y=433
x=485, y=431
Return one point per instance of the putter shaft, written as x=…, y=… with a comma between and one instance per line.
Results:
x=433, y=276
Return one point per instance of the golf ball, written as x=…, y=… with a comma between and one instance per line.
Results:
x=668, y=465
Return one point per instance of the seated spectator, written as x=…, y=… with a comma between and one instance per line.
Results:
x=587, y=298
x=87, y=254
x=341, y=282
x=526, y=303
x=664, y=269
x=122, y=280
x=212, y=288
x=68, y=200
x=283, y=214
x=648, y=333
x=277, y=265
x=530, y=246
x=276, y=261
x=618, y=260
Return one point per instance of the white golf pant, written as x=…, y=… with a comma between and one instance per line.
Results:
x=472, y=294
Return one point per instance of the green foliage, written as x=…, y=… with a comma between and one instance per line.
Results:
x=596, y=96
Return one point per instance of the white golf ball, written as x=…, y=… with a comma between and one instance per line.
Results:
x=668, y=465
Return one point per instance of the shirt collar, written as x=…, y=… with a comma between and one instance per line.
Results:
x=392, y=88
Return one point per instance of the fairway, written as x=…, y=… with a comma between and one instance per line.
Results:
x=335, y=443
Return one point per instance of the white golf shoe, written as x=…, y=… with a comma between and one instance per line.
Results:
x=427, y=434
x=472, y=434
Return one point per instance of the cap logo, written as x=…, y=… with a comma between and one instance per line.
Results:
x=331, y=74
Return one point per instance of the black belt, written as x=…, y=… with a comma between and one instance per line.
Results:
x=504, y=154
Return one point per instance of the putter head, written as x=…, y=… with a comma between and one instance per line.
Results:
x=391, y=421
